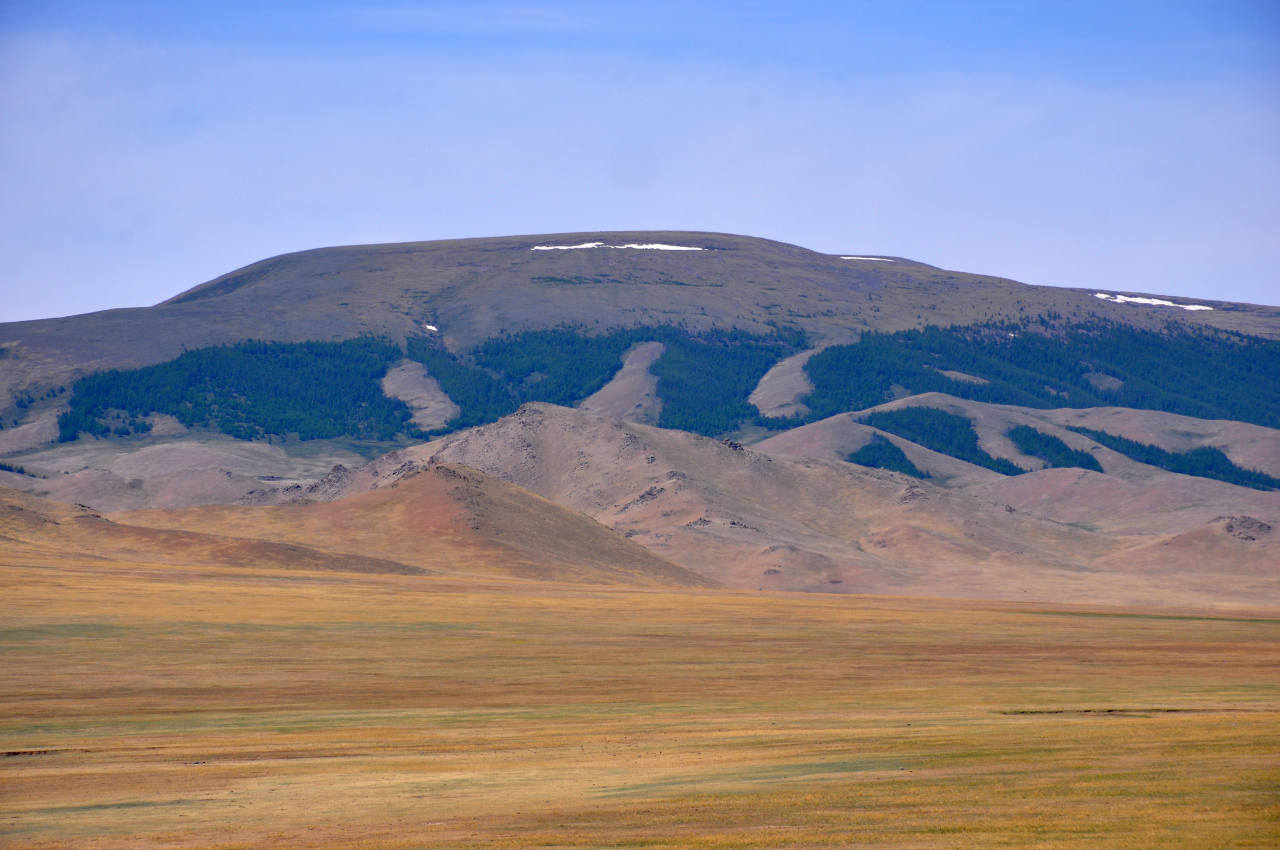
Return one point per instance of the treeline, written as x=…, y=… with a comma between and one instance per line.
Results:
x=1050, y=449
x=559, y=366
x=332, y=389
x=703, y=379
x=941, y=431
x=882, y=454
x=480, y=396
x=1203, y=462
x=249, y=390
x=1207, y=374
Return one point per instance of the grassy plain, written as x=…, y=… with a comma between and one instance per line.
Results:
x=149, y=706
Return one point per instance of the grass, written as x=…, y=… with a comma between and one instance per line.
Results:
x=166, y=706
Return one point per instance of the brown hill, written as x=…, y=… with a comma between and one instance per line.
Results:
x=1164, y=503
x=171, y=471
x=443, y=518
x=1242, y=550
x=1131, y=498
x=836, y=437
x=38, y=531
x=437, y=519
x=1249, y=446
x=751, y=520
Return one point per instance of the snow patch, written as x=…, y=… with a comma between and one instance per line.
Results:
x=651, y=246
x=876, y=259
x=1154, y=302
x=657, y=246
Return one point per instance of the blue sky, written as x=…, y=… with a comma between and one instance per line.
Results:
x=147, y=147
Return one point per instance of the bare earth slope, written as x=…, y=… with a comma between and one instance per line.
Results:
x=36, y=530
x=780, y=388
x=633, y=391
x=115, y=475
x=749, y=520
x=445, y=518
x=409, y=382
x=425, y=520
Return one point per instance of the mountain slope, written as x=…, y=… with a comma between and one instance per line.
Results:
x=37, y=531
x=1250, y=446
x=698, y=331
x=475, y=289
x=1130, y=498
x=750, y=520
x=432, y=520
x=444, y=518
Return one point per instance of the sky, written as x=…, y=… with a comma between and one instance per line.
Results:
x=1122, y=146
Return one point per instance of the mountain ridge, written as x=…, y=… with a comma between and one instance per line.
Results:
x=766, y=521
x=474, y=289
x=741, y=338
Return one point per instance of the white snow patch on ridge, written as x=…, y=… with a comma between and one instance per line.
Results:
x=1155, y=302
x=876, y=259
x=657, y=246
x=651, y=246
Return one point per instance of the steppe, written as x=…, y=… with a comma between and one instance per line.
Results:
x=192, y=703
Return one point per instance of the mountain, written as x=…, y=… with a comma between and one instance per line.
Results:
x=475, y=289
x=670, y=408
x=752, y=520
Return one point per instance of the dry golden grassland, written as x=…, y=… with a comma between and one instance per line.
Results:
x=205, y=707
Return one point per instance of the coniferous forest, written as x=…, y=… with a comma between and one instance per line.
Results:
x=879, y=453
x=941, y=431
x=703, y=379
x=1212, y=375
x=1050, y=449
x=1203, y=462
x=331, y=389
x=250, y=390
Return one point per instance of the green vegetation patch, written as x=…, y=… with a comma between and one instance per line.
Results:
x=941, y=431
x=249, y=390
x=1050, y=449
x=560, y=366
x=882, y=454
x=333, y=389
x=703, y=379
x=1203, y=462
x=1207, y=374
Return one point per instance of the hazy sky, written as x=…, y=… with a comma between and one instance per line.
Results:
x=145, y=148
